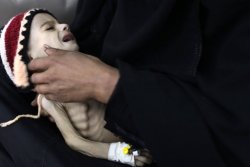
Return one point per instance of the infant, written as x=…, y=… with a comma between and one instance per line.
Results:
x=25, y=37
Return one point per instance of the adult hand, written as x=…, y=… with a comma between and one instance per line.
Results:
x=68, y=76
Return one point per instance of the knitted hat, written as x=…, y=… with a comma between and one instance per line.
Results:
x=14, y=38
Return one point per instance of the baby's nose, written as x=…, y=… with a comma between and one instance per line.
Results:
x=64, y=27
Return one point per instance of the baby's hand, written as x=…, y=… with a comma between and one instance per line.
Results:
x=124, y=153
x=144, y=158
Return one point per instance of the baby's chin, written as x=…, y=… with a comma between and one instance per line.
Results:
x=73, y=47
x=76, y=48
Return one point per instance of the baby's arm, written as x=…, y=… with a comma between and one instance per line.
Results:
x=71, y=136
x=113, y=151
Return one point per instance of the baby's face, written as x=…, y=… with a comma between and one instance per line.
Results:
x=45, y=29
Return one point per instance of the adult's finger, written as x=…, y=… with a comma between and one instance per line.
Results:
x=42, y=63
x=39, y=78
x=53, y=97
x=53, y=51
x=39, y=64
x=42, y=89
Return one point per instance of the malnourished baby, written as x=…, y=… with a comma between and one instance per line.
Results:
x=25, y=37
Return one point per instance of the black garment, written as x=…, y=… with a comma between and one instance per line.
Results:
x=184, y=90
x=30, y=143
x=5, y=158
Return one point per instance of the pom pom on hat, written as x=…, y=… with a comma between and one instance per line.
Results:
x=14, y=38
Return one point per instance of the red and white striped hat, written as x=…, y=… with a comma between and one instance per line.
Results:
x=14, y=39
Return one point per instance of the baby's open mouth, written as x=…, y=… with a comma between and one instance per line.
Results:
x=68, y=37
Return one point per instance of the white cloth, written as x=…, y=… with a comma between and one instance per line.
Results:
x=116, y=154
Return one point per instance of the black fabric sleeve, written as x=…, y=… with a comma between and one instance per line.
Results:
x=201, y=120
x=160, y=110
x=185, y=116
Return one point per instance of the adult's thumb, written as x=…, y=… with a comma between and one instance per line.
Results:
x=50, y=51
